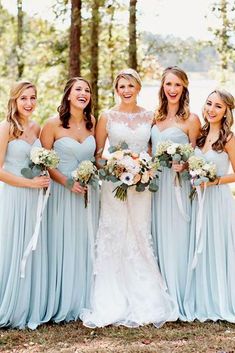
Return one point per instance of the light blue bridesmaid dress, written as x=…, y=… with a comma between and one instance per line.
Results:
x=22, y=300
x=170, y=226
x=70, y=239
x=210, y=292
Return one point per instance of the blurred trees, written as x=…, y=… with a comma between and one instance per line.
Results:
x=99, y=40
x=224, y=34
x=75, y=38
x=132, y=34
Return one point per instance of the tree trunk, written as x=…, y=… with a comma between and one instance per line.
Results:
x=75, y=39
x=95, y=22
x=132, y=35
x=19, y=44
x=111, y=12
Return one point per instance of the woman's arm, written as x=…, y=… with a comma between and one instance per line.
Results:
x=9, y=178
x=48, y=137
x=101, y=136
x=194, y=128
x=228, y=178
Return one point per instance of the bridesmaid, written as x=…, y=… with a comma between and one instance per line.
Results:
x=70, y=242
x=22, y=300
x=211, y=284
x=170, y=226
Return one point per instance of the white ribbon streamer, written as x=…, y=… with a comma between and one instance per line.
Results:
x=179, y=198
x=42, y=201
x=91, y=235
x=199, y=240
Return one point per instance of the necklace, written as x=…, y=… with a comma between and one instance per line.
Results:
x=213, y=138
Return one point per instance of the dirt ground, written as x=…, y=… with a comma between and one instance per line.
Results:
x=175, y=337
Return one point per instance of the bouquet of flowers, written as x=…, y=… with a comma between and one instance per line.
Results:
x=85, y=174
x=40, y=160
x=168, y=152
x=130, y=169
x=200, y=171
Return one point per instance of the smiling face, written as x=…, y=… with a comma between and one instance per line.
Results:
x=127, y=90
x=214, y=109
x=173, y=88
x=26, y=102
x=80, y=95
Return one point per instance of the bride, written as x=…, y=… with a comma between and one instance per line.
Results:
x=127, y=286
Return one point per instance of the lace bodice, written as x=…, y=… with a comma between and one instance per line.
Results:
x=132, y=128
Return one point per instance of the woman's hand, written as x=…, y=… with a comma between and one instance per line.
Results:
x=40, y=182
x=77, y=188
x=179, y=167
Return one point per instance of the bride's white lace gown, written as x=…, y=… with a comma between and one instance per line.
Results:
x=128, y=288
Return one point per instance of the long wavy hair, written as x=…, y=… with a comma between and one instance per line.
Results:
x=64, y=107
x=225, y=133
x=12, y=116
x=183, y=111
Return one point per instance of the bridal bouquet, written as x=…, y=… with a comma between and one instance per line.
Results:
x=200, y=171
x=130, y=169
x=85, y=174
x=40, y=160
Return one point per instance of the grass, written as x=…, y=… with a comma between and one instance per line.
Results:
x=72, y=337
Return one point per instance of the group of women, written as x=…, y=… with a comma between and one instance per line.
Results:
x=116, y=262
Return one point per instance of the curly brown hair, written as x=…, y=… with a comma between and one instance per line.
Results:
x=64, y=107
x=183, y=110
x=225, y=133
x=16, y=128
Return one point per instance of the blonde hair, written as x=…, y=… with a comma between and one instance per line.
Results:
x=225, y=133
x=183, y=110
x=128, y=74
x=16, y=128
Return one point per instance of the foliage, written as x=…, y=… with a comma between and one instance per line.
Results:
x=224, y=33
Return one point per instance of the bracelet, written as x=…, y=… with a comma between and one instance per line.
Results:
x=217, y=181
x=69, y=183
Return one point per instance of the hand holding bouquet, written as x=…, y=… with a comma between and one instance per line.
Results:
x=130, y=169
x=40, y=160
x=200, y=171
x=85, y=174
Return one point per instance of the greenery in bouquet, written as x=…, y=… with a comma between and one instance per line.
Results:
x=169, y=152
x=85, y=174
x=130, y=169
x=41, y=159
x=200, y=171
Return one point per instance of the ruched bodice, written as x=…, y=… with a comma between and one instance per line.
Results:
x=72, y=152
x=22, y=300
x=210, y=284
x=174, y=134
x=170, y=227
x=71, y=232
x=18, y=155
x=221, y=160
x=125, y=127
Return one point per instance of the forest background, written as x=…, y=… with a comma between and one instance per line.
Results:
x=97, y=38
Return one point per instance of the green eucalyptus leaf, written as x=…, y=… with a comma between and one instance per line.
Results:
x=124, y=145
x=27, y=173
x=140, y=187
